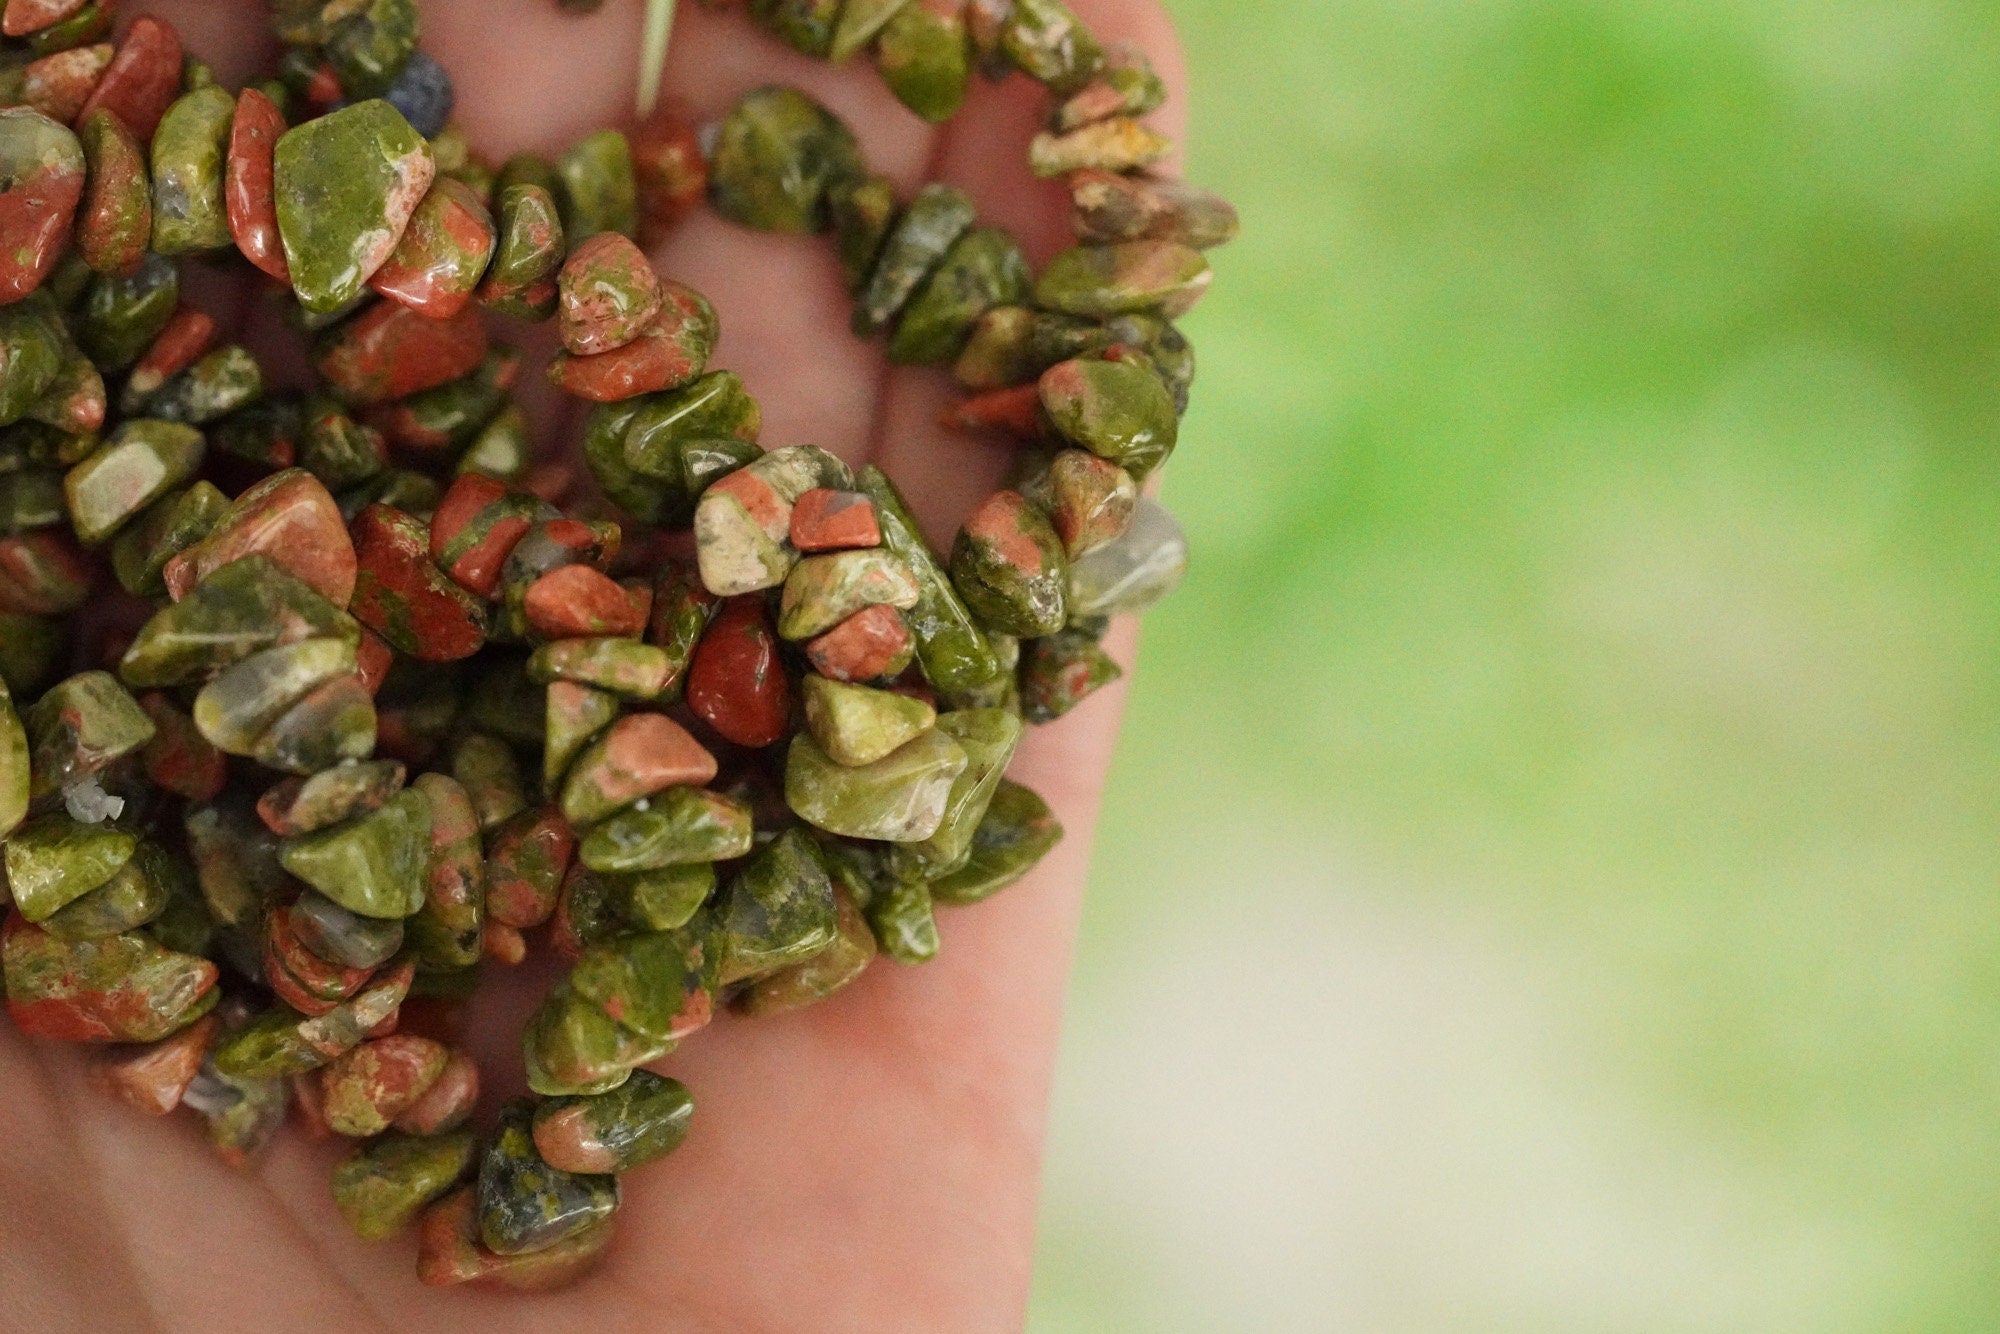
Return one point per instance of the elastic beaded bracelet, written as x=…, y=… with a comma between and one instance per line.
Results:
x=731, y=778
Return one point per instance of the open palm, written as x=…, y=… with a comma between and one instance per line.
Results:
x=868, y=1164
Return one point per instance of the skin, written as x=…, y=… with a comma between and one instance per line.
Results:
x=869, y=1164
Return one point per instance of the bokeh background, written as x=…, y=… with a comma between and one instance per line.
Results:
x=1550, y=878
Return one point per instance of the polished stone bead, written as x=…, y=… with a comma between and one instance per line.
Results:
x=41, y=574
x=341, y=936
x=924, y=58
x=491, y=776
x=638, y=756
x=23, y=17
x=31, y=356
x=80, y=728
x=579, y=602
x=839, y=964
x=1120, y=144
x=137, y=464
x=424, y=93
x=152, y=1078
x=527, y=858
x=58, y=85
x=863, y=213
x=572, y=717
x=743, y=522
x=346, y=185
x=402, y=595
x=42, y=168
x=122, y=988
x=14, y=764
x=953, y=649
x=982, y=270
x=925, y=234
x=662, y=436
x=438, y=421
x=179, y=759
x=290, y=518
x=871, y=644
x=382, y=1187
x=621, y=666
x=779, y=911
x=122, y=314
x=1098, y=280
x=856, y=725
x=1045, y=41
x=375, y=866
x=189, y=151
x=215, y=386
x=525, y=1204
x=989, y=737
x=390, y=351
x=904, y=923
x=243, y=608
x=1117, y=410
x=1089, y=500
x=302, y=979
x=655, y=984
x=642, y=1120
x=237, y=708
x=448, y=1103
x=132, y=898
x=1132, y=573
x=674, y=828
x=1111, y=206
x=446, y=932
x=115, y=221
x=671, y=170
x=55, y=860
x=736, y=679
x=898, y=799
x=600, y=192
x=859, y=24
x=235, y=860
x=776, y=156
x=143, y=80
x=826, y=520
x=249, y=183
x=664, y=899
x=181, y=341
x=1009, y=566
x=822, y=591
x=443, y=252
x=1060, y=672
x=668, y=353
x=609, y=294
x=522, y=281
x=282, y=1042
x=448, y=1251
x=367, y=1088
x=370, y=43
x=477, y=524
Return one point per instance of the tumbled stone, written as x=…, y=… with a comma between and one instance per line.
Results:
x=41, y=574
x=743, y=522
x=370, y=43
x=299, y=977
x=59, y=85
x=137, y=464
x=621, y=666
x=578, y=602
x=249, y=183
x=382, y=1187
x=1009, y=566
x=179, y=759
x=822, y=591
x=375, y=866
x=1120, y=144
x=923, y=57
x=290, y=518
x=31, y=355
x=182, y=339
x=856, y=725
x=669, y=352
x=346, y=185
x=235, y=860
x=404, y=597
x=639, y=755
x=215, y=386
x=189, y=151
x=1089, y=500
x=42, y=167
x=904, y=922
x=1102, y=280
x=527, y=859
x=132, y=898
x=522, y=281
x=936, y=218
x=868, y=645
x=736, y=680
x=446, y=931
x=898, y=799
x=824, y=520
x=14, y=765
x=863, y=212
x=152, y=1078
x=443, y=252
x=609, y=294
x=390, y=351
x=122, y=988
x=1111, y=206
x=778, y=912
x=1060, y=672
x=55, y=860
x=80, y=727
x=665, y=898
x=989, y=738
x=776, y=155
x=1045, y=41
x=1136, y=570
x=983, y=269
x=600, y=192
x=237, y=708
x=448, y=1103
x=955, y=652
x=122, y=314
x=280, y=1042
x=23, y=17
x=642, y=1120
x=525, y=1204
x=243, y=608
x=1115, y=409
x=448, y=1251
x=839, y=964
x=370, y=1086
x=670, y=169
x=143, y=79
x=679, y=826
x=439, y=422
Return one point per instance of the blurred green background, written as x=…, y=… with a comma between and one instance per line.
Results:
x=1549, y=882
